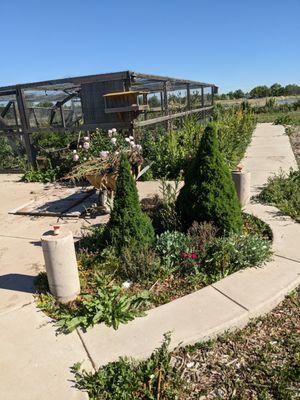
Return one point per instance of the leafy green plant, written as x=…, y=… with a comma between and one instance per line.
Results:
x=128, y=225
x=128, y=379
x=169, y=245
x=226, y=255
x=283, y=191
x=208, y=193
x=109, y=304
x=283, y=120
x=41, y=175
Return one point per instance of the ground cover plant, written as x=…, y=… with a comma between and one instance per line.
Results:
x=125, y=269
x=283, y=191
x=261, y=361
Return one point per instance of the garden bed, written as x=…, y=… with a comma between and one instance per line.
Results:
x=138, y=261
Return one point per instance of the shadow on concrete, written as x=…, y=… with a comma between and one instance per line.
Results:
x=18, y=283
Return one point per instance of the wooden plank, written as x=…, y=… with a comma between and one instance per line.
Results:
x=169, y=117
x=134, y=107
x=188, y=96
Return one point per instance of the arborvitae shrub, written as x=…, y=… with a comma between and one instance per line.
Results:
x=208, y=193
x=128, y=225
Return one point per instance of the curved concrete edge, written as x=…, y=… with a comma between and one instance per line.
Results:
x=223, y=306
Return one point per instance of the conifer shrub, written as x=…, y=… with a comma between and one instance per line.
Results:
x=128, y=225
x=208, y=193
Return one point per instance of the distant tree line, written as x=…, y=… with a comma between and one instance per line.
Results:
x=262, y=91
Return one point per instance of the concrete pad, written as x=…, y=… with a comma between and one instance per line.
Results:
x=286, y=232
x=191, y=318
x=261, y=289
x=35, y=363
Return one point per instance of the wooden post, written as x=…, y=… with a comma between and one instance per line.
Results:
x=188, y=96
x=25, y=127
x=62, y=117
x=166, y=105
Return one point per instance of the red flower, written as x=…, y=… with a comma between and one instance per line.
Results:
x=193, y=256
x=184, y=255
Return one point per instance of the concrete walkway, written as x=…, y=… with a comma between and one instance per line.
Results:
x=35, y=363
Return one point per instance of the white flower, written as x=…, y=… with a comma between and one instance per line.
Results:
x=74, y=151
x=114, y=130
x=117, y=153
x=84, y=158
x=86, y=145
x=127, y=139
x=75, y=157
x=110, y=132
x=138, y=147
x=126, y=284
x=152, y=376
x=86, y=138
x=80, y=146
x=132, y=144
x=104, y=154
x=131, y=137
x=113, y=140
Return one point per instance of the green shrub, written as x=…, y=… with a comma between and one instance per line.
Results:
x=201, y=234
x=41, y=175
x=208, y=193
x=163, y=213
x=170, y=152
x=284, y=119
x=283, y=191
x=169, y=245
x=128, y=379
x=226, y=255
x=139, y=265
x=235, y=126
x=128, y=225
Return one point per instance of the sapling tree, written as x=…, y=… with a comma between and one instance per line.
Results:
x=208, y=193
x=128, y=225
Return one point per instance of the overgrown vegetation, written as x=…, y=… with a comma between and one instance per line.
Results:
x=283, y=191
x=261, y=361
x=170, y=153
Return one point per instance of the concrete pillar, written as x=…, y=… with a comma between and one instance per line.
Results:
x=241, y=181
x=61, y=265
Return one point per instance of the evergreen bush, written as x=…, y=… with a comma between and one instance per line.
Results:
x=128, y=225
x=209, y=193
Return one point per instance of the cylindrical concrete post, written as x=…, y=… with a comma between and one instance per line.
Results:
x=241, y=181
x=61, y=265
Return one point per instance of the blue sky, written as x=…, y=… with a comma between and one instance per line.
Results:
x=233, y=43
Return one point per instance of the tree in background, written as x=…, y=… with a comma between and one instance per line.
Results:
x=276, y=90
x=208, y=193
x=259, y=91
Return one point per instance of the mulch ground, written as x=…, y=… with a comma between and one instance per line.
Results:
x=261, y=361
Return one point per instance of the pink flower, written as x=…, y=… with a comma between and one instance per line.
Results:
x=184, y=255
x=193, y=256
